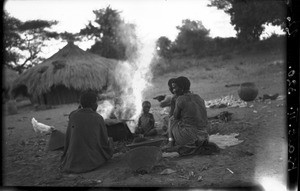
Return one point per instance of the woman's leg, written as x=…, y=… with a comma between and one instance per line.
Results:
x=152, y=132
x=189, y=139
x=170, y=134
x=170, y=147
x=201, y=146
x=171, y=124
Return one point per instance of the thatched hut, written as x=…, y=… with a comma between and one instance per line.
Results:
x=8, y=77
x=64, y=76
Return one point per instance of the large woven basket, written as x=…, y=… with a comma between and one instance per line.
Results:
x=143, y=158
x=56, y=141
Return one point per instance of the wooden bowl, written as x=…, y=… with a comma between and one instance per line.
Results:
x=150, y=142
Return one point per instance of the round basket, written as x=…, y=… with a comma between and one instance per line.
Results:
x=248, y=91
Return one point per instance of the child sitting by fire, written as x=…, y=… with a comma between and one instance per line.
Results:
x=146, y=122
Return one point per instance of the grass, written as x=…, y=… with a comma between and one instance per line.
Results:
x=227, y=57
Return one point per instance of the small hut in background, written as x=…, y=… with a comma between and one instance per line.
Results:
x=64, y=76
x=10, y=105
x=8, y=77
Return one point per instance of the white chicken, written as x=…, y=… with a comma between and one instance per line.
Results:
x=40, y=127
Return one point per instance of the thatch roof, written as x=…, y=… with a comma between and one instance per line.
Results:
x=71, y=67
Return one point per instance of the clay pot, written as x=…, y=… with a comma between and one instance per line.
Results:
x=248, y=91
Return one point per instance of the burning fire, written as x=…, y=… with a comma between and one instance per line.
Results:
x=105, y=109
x=133, y=78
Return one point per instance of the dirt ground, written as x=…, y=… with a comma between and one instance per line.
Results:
x=261, y=126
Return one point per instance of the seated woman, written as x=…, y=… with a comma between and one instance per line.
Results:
x=168, y=103
x=87, y=145
x=189, y=123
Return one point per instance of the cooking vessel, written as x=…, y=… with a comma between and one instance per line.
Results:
x=119, y=131
x=248, y=91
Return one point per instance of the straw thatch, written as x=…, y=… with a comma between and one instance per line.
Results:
x=62, y=77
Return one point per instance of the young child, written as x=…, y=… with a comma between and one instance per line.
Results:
x=146, y=121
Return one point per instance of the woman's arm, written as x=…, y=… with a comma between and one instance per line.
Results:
x=172, y=107
x=151, y=121
x=166, y=102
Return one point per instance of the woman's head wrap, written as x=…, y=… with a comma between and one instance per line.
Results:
x=172, y=80
x=183, y=83
x=88, y=99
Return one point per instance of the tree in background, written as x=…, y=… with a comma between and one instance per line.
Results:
x=249, y=16
x=12, y=38
x=113, y=37
x=163, y=45
x=23, y=41
x=192, y=38
x=67, y=36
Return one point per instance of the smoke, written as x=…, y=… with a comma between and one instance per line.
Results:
x=132, y=78
x=127, y=34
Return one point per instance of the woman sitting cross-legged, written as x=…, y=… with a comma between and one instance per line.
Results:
x=189, y=122
x=87, y=145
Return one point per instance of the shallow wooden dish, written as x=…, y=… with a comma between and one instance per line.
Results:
x=150, y=142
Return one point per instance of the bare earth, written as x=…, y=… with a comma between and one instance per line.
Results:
x=261, y=125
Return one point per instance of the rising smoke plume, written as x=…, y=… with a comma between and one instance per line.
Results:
x=132, y=77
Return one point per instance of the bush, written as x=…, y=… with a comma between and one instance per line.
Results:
x=224, y=47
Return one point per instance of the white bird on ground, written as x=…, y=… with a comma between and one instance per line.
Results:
x=40, y=127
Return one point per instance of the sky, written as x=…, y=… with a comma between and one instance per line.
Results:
x=153, y=18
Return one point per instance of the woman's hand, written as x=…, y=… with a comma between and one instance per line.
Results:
x=111, y=121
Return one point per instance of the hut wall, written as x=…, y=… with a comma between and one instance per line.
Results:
x=40, y=100
x=61, y=95
x=58, y=95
